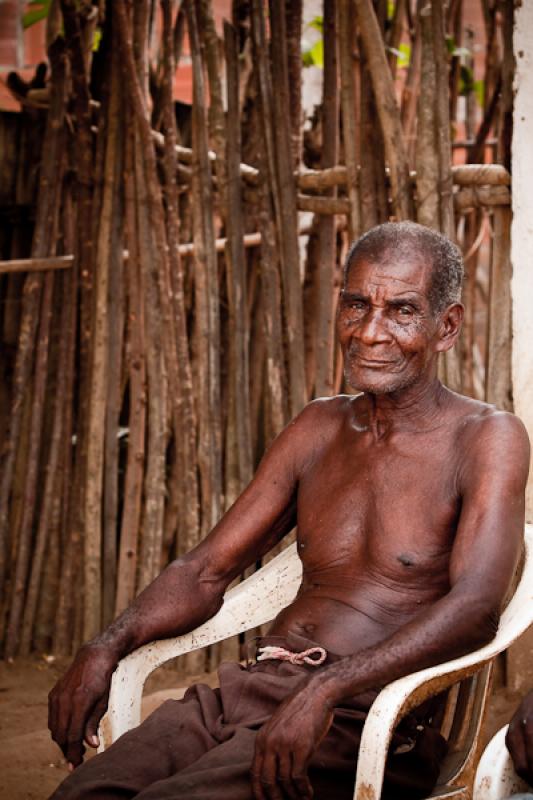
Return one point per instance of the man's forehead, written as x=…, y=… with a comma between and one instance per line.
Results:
x=402, y=271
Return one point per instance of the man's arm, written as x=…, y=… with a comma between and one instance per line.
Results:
x=491, y=483
x=188, y=592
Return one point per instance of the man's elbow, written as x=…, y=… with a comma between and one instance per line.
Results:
x=485, y=622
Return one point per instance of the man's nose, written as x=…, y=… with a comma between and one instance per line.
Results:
x=373, y=328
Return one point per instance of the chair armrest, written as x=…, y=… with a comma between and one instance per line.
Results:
x=253, y=602
x=495, y=775
x=408, y=692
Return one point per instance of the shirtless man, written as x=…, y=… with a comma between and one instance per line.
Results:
x=409, y=501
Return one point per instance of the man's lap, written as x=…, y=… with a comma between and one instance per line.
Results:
x=202, y=746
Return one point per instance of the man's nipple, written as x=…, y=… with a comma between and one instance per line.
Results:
x=406, y=560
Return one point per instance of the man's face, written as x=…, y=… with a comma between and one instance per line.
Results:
x=386, y=327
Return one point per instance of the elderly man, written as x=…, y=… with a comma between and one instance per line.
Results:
x=409, y=501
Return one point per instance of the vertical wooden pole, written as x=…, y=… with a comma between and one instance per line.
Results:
x=327, y=236
x=498, y=379
x=286, y=211
x=206, y=297
x=350, y=129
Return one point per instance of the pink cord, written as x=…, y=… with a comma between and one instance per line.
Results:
x=281, y=654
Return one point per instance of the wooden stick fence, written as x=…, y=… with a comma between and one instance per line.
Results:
x=177, y=305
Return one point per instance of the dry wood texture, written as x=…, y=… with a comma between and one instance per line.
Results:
x=168, y=276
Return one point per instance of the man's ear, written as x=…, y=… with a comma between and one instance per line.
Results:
x=451, y=320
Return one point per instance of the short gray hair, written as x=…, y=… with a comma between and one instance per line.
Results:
x=397, y=238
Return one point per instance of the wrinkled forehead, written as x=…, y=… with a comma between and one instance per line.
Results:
x=401, y=269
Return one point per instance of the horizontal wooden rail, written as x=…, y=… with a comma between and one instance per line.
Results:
x=36, y=264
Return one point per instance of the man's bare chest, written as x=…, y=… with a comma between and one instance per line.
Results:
x=386, y=504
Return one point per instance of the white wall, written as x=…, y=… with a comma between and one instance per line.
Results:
x=522, y=227
x=519, y=658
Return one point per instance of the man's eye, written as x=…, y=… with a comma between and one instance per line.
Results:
x=405, y=311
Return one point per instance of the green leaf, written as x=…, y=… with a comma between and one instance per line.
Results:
x=405, y=55
x=479, y=89
x=314, y=56
x=466, y=80
x=38, y=10
x=317, y=23
x=450, y=44
x=317, y=53
x=307, y=58
x=97, y=38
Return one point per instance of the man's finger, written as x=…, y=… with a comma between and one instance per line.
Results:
x=255, y=772
x=285, y=775
x=62, y=722
x=269, y=777
x=91, y=728
x=74, y=753
x=82, y=708
x=303, y=787
x=301, y=779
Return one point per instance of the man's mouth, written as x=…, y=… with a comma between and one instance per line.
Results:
x=372, y=363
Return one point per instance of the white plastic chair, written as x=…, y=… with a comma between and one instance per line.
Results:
x=495, y=775
x=259, y=599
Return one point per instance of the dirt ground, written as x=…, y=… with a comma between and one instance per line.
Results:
x=31, y=766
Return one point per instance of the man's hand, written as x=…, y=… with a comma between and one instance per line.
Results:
x=79, y=700
x=519, y=739
x=285, y=744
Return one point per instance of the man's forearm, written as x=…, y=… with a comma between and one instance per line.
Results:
x=455, y=625
x=176, y=602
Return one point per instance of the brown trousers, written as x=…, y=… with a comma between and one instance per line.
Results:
x=201, y=747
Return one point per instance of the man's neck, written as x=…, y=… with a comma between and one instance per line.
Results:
x=410, y=410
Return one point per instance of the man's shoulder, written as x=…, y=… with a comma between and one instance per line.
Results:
x=320, y=420
x=486, y=434
x=330, y=411
x=484, y=420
